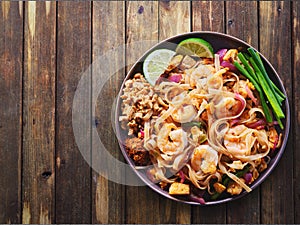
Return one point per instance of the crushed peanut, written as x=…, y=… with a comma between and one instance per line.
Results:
x=140, y=102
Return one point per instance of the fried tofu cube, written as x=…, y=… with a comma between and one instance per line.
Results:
x=219, y=187
x=179, y=189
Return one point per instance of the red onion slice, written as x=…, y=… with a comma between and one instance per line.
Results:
x=258, y=124
x=221, y=53
x=250, y=94
x=175, y=78
x=248, y=178
x=237, y=96
x=182, y=176
x=229, y=65
x=197, y=199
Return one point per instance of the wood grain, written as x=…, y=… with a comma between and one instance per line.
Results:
x=73, y=173
x=39, y=113
x=141, y=28
x=170, y=11
x=44, y=49
x=142, y=24
x=295, y=102
x=11, y=37
x=277, y=191
x=239, y=24
x=242, y=21
x=208, y=16
x=108, y=34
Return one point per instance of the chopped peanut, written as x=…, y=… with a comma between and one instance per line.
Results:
x=140, y=102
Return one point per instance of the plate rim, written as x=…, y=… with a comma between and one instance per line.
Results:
x=262, y=177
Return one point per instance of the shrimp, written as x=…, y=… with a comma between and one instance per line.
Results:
x=224, y=107
x=171, y=139
x=184, y=114
x=198, y=76
x=204, y=158
x=237, y=142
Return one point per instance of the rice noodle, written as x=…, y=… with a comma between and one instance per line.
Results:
x=209, y=92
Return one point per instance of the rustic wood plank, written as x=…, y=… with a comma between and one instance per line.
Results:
x=208, y=16
x=296, y=108
x=142, y=24
x=11, y=37
x=242, y=21
x=277, y=191
x=38, y=111
x=73, y=174
x=108, y=197
x=170, y=11
x=239, y=24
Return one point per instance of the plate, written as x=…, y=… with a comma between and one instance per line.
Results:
x=218, y=41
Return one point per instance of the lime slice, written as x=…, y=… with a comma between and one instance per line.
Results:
x=156, y=63
x=195, y=47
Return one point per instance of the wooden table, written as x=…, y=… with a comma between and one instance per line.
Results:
x=44, y=49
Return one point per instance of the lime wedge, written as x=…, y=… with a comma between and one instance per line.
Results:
x=156, y=63
x=195, y=47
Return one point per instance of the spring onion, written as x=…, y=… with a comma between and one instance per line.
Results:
x=256, y=58
x=268, y=91
x=257, y=87
x=257, y=74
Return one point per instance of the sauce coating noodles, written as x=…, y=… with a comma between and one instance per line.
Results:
x=206, y=130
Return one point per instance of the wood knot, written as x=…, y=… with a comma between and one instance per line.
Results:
x=165, y=4
x=230, y=22
x=96, y=122
x=279, y=9
x=46, y=174
x=141, y=9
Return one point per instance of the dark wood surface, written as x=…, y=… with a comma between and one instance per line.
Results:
x=44, y=49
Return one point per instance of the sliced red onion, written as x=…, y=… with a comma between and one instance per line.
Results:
x=234, y=121
x=257, y=124
x=242, y=100
x=175, y=78
x=221, y=53
x=197, y=199
x=250, y=94
x=229, y=65
x=248, y=177
x=142, y=133
x=182, y=176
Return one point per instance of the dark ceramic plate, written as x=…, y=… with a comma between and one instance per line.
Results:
x=218, y=41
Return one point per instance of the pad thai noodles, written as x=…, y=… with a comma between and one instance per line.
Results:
x=200, y=131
